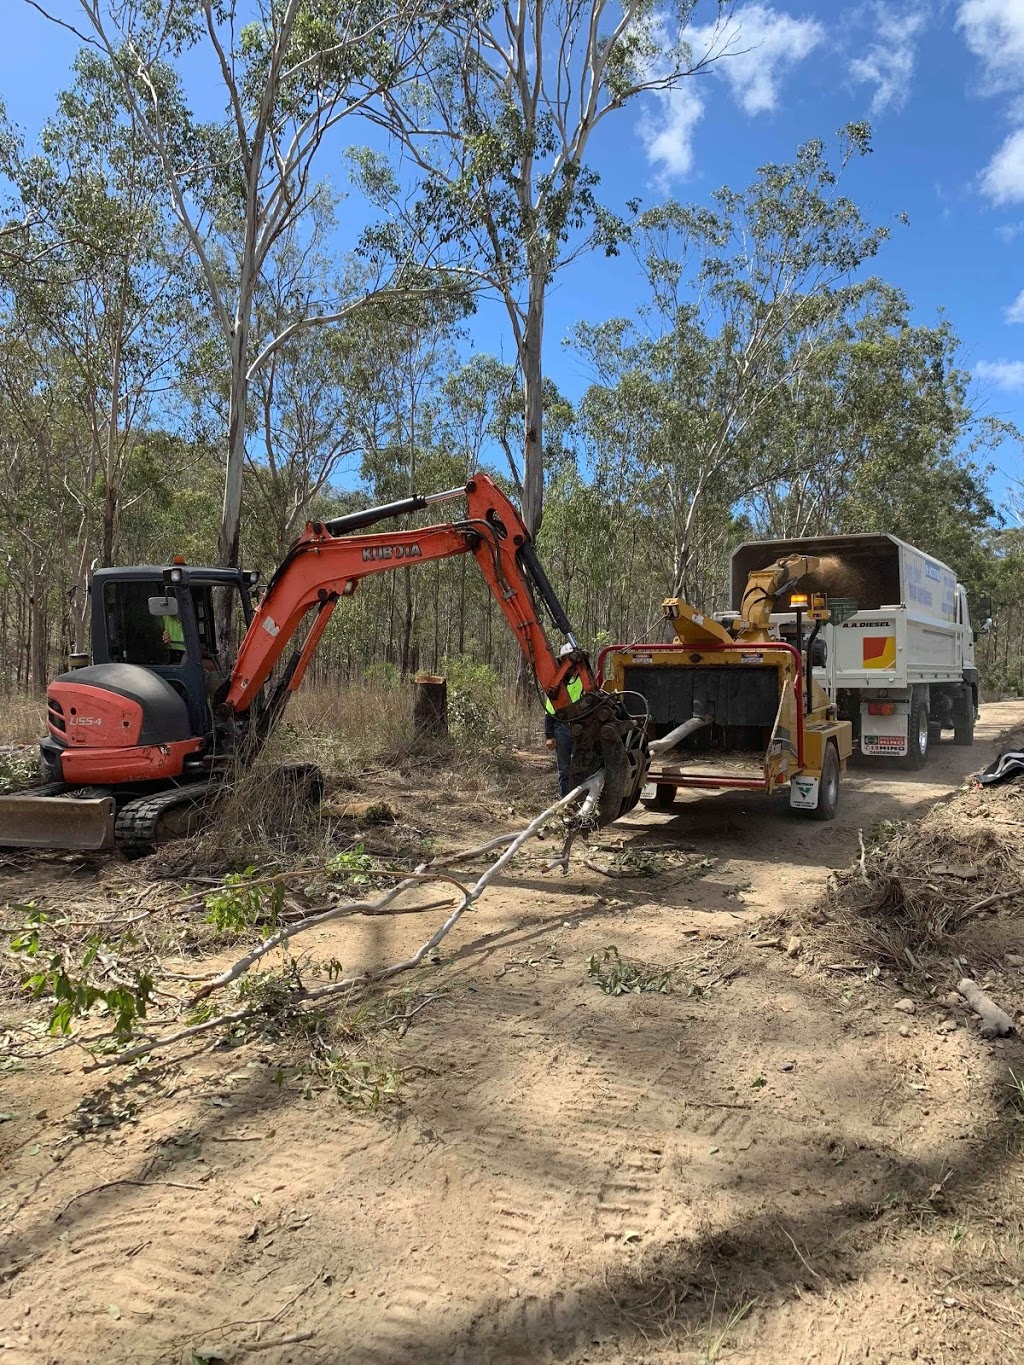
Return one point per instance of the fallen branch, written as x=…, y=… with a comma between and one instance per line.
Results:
x=350, y=986
x=179, y=1037
x=410, y=1015
x=995, y=1022
x=803, y=1259
x=994, y=900
x=863, y=857
x=142, y=1184
x=292, y=1340
x=425, y=872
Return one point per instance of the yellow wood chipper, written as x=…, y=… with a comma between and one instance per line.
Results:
x=731, y=702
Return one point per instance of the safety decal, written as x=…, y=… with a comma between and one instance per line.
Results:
x=879, y=651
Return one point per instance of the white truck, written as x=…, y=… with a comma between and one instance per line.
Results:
x=897, y=655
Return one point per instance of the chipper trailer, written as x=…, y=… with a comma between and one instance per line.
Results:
x=730, y=704
x=189, y=677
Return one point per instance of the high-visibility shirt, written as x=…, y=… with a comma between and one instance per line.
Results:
x=575, y=689
x=175, y=632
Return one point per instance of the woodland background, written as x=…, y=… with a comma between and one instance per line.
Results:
x=189, y=362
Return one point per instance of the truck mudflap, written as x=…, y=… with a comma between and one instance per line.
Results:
x=60, y=822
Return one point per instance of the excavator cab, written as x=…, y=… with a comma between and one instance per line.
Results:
x=158, y=659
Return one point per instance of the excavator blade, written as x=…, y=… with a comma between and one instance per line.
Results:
x=64, y=822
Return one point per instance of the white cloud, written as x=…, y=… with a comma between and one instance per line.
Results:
x=994, y=32
x=888, y=64
x=668, y=138
x=763, y=45
x=1004, y=374
x=1015, y=312
x=753, y=54
x=1003, y=177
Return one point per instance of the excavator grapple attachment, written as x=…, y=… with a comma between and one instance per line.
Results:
x=66, y=822
x=607, y=737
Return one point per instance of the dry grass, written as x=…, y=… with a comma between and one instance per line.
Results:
x=918, y=889
x=372, y=723
x=361, y=739
x=22, y=719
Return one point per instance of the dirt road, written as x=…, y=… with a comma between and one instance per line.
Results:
x=749, y=1167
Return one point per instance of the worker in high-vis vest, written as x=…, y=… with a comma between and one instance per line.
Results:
x=558, y=736
x=174, y=637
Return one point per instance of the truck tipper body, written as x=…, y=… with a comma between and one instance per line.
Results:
x=898, y=650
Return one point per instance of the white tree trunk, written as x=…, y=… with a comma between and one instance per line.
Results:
x=227, y=541
x=533, y=408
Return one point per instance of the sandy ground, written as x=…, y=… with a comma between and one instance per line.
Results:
x=769, y=1163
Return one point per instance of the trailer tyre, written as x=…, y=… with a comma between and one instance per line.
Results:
x=963, y=717
x=828, y=786
x=918, y=733
x=664, y=797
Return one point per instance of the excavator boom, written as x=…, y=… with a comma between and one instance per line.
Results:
x=328, y=562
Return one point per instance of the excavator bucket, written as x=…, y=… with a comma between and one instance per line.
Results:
x=65, y=822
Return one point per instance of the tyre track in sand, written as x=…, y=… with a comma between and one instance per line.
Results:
x=552, y=1137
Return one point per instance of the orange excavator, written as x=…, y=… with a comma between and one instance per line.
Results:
x=188, y=677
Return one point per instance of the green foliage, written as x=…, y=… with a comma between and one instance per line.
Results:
x=617, y=975
x=383, y=672
x=17, y=770
x=244, y=900
x=358, y=1081
x=71, y=988
x=471, y=679
x=352, y=866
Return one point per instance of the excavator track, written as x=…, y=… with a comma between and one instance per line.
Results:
x=143, y=824
x=47, y=789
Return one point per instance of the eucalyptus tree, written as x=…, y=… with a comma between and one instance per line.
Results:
x=402, y=354
x=744, y=295
x=501, y=123
x=304, y=426
x=288, y=73
x=882, y=436
x=103, y=281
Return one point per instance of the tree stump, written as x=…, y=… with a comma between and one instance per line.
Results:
x=429, y=710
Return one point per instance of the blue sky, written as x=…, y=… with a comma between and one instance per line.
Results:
x=942, y=82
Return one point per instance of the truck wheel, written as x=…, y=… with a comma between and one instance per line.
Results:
x=963, y=719
x=828, y=786
x=664, y=797
x=917, y=733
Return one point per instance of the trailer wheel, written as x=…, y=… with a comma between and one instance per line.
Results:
x=918, y=733
x=828, y=786
x=664, y=797
x=963, y=719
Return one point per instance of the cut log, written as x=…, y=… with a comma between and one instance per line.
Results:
x=429, y=710
x=995, y=1023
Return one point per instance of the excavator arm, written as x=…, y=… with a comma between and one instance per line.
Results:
x=328, y=562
